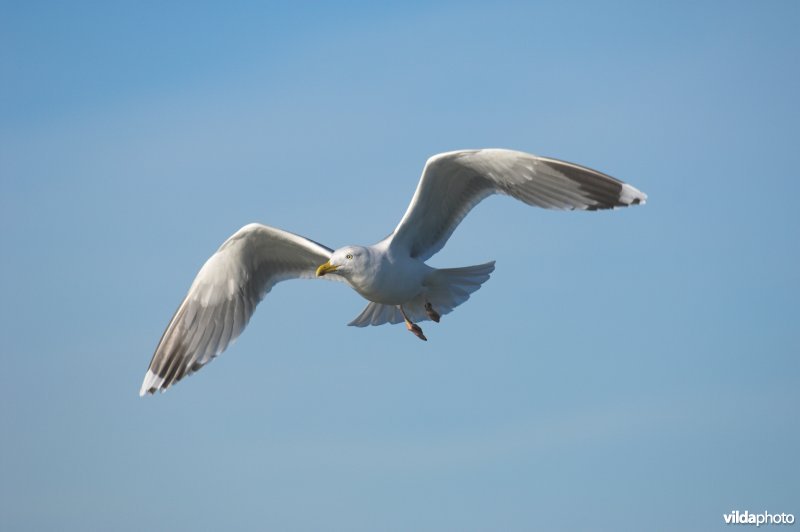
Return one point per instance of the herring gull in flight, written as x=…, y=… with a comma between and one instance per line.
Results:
x=391, y=275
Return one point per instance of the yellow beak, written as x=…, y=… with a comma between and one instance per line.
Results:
x=326, y=268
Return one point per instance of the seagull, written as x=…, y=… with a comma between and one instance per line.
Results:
x=391, y=275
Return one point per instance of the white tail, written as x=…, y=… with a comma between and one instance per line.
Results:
x=445, y=289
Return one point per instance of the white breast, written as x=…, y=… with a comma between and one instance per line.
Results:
x=390, y=280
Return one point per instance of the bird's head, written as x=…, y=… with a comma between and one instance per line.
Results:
x=345, y=261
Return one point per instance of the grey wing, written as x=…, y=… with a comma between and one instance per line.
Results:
x=224, y=296
x=453, y=183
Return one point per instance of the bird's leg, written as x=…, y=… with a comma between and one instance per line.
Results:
x=432, y=314
x=411, y=326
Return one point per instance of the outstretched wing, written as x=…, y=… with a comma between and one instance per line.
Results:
x=224, y=296
x=453, y=183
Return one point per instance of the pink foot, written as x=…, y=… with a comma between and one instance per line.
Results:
x=416, y=329
x=432, y=314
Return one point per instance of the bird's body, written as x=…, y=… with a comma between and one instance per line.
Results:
x=392, y=274
x=389, y=279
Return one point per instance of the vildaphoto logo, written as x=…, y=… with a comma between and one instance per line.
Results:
x=746, y=518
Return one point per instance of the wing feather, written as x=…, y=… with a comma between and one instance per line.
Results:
x=224, y=296
x=453, y=183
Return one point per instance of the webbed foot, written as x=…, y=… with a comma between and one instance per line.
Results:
x=416, y=329
x=432, y=314
x=411, y=326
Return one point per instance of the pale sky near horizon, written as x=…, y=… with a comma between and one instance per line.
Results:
x=626, y=370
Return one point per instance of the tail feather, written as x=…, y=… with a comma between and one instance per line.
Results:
x=377, y=314
x=445, y=289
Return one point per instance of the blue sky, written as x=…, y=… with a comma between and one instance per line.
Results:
x=622, y=370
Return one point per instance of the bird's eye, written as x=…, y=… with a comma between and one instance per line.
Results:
x=349, y=256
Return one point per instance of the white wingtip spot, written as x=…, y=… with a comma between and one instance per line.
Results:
x=632, y=196
x=151, y=381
